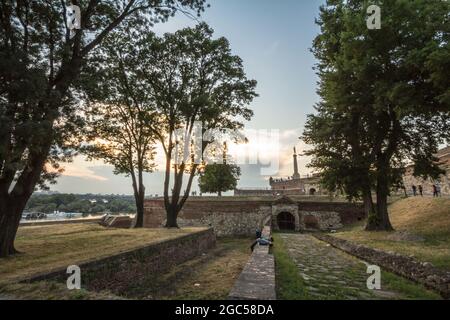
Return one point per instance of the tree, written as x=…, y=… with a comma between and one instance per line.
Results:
x=384, y=100
x=218, y=178
x=41, y=60
x=194, y=85
x=118, y=127
x=195, y=80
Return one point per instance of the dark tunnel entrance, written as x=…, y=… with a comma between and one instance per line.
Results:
x=286, y=221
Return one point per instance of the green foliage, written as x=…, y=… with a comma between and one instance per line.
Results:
x=81, y=203
x=40, y=62
x=119, y=125
x=384, y=98
x=176, y=82
x=218, y=178
x=289, y=285
x=40, y=110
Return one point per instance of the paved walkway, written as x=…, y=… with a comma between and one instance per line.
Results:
x=257, y=280
x=328, y=272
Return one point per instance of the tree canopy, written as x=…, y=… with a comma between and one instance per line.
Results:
x=218, y=178
x=384, y=99
x=40, y=63
x=118, y=128
x=191, y=84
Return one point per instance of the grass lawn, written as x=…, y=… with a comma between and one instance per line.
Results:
x=51, y=247
x=207, y=277
x=422, y=230
x=49, y=290
x=291, y=286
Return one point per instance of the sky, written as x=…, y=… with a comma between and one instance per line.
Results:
x=274, y=39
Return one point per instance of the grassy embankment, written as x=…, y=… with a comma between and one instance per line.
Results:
x=422, y=230
x=45, y=248
x=207, y=277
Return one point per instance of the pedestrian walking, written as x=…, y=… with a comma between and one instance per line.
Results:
x=435, y=192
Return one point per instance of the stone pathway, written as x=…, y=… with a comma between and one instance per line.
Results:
x=328, y=272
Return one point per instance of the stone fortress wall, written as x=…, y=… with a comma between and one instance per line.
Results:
x=444, y=182
x=272, y=193
x=297, y=185
x=294, y=185
x=234, y=216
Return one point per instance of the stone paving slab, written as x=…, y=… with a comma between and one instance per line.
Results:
x=407, y=267
x=257, y=280
x=328, y=272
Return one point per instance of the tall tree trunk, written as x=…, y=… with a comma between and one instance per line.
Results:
x=382, y=212
x=172, y=215
x=170, y=220
x=13, y=203
x=369, y=208
x=10, y=215
x=7, y=234
x=139, y=195
x=140, y=198
x=379, y=221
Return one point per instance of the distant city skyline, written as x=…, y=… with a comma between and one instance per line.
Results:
x=274, y=41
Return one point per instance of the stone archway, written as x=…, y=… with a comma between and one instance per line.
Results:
x=289, y=209
x=286, y=221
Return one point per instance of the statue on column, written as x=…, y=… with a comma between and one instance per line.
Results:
x=296, y=175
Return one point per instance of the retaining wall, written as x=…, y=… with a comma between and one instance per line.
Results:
x=421, y=272
x=235, y=216
x=113, y=272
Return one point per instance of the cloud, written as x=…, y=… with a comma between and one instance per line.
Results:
x=83, y=173
x=288, y=140
x=273, y=150
x=80, y=168
x=97, y=177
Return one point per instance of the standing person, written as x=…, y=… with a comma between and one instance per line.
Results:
x=435, y=193
x=438, y=190
x=404, y=191
x=414, y=188
x=421, y=190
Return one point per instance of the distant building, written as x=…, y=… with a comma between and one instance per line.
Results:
x=444, y=182
x=293, y=185
x=310, y=185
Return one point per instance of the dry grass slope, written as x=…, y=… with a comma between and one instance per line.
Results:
x=422, y=230
x=46, y=248
x=424, y=216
